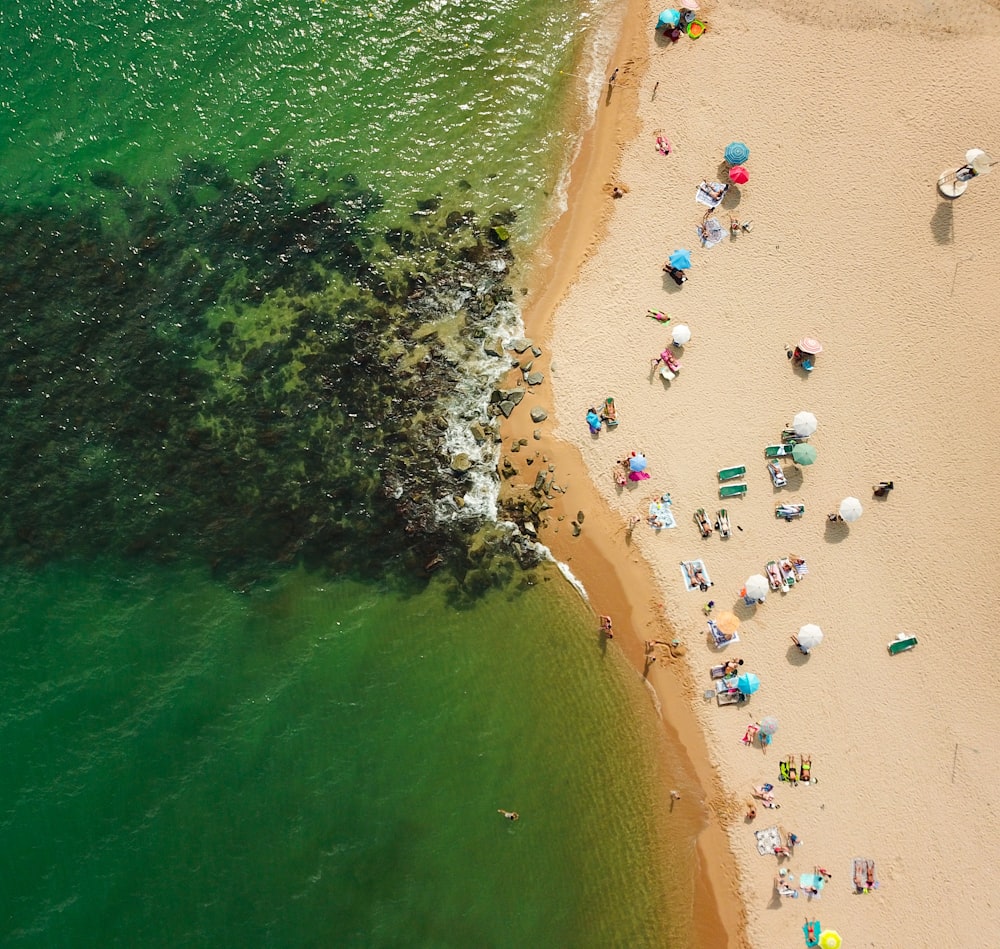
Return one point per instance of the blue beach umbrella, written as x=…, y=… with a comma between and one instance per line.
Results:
x=669, y=17
x=748, y=683
x=736, y=153
x=637, y=463
x=681, y=259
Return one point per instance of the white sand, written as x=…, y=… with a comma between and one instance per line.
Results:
x=849, y=122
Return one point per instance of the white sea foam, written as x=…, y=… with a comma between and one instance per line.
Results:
x=468, y=405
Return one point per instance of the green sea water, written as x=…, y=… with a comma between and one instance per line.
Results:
x=320, y=764
x=232, y=715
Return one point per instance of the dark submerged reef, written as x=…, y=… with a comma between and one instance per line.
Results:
x=207, y=369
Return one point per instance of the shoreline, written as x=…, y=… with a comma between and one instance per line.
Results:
x=601, y=557
x=898, y=284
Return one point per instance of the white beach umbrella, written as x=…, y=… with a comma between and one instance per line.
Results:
x=681, y=334
x=850, y=510
x=804, y=424
x=810, y=636
x=756, y=587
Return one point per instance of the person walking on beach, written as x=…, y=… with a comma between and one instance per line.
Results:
x=611, y=81
x=606, y=627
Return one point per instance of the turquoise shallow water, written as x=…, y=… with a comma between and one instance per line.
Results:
x=234, y=712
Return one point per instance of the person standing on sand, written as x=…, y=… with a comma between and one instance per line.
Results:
x=611, y=81
x=606, y=627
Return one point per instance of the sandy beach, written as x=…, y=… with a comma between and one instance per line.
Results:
x=850, y=118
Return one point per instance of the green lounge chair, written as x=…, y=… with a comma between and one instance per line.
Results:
x=732, y=490
x=731, y=474
x=901, y=644
x=779, y=451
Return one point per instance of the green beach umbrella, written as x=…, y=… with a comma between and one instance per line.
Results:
x=803, y=454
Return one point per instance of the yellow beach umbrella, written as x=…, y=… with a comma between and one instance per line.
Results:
x=830, y=939
x=728, y=622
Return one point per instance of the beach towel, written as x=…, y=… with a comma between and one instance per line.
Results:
x=811, y=881
x=704, y=194
x=689, y=584
x=710, y=232
x=660, y=515
x=767, y=840
x=800, y=568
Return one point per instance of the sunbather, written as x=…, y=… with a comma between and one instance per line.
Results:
x=677, y=275
x=731, y=667
x=762, y=793
x=698, y=577
x=882, y=488
x=806, y=769
x=783, y=889
x=793, y=771
x=870, y=875
x=609, y=413
x=716, y=194
x=704, y=524
x=859, y=875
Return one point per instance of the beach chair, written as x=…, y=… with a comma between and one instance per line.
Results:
x=902, y=643
x=609, y=414
x=787, y=572
x=704, y=524
x=717, y=672
x=722, y=522
x=789, y=511
x=774, y=577
x=792, y=437
x=777, y=475
x=779, y=451
x=731, y=474
x=732, y=490
x=727, y=694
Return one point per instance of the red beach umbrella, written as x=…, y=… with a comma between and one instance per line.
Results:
x=738, y=175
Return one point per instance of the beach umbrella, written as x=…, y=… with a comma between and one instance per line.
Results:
x=748, y=683
x=681, y=334
x=830, y=939
x=850, y=510
x=728, y=622
x=804, y=424
x=756, y=586
x=810, y=636
x=668, y=17
x=691, y=5
x=803, y=454
x=738, y=175
x=681, y=259
x=736, y=153
x=768, y=725
x=811, y=346
x=637, y=463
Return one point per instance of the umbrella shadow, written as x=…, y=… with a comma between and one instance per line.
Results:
x=836, y=532
x=943, y=223
x=795, y=656
x=793, y=477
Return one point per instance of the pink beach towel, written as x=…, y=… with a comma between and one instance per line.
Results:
x=637, y=475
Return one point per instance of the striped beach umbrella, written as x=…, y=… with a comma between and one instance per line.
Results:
x=736, y=153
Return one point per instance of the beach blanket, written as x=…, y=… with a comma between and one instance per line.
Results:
x=800, y=568
x=686, y=573
x=812, y=880
x=660, y=515
x=767, y=840
x=710, y=232
x=704, y=194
